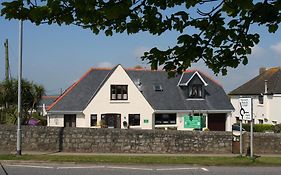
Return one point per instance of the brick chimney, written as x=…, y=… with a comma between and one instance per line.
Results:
x=262, y=70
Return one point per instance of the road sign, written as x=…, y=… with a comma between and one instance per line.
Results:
x=245, y=109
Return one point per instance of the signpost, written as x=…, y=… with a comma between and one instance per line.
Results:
x=245, y=109
x=246, y=113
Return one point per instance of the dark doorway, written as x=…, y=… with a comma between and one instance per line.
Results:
x=112, y=120
x=216, y=122
x=70, y=120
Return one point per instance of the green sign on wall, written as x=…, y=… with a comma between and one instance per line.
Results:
x=194, y=121
x=145, y=121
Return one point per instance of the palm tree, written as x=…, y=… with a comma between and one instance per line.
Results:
x=31, y=96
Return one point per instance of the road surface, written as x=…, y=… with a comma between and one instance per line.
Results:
x=68, y=169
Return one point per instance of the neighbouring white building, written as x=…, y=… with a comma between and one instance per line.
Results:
x=265, y=90
x=142, y=99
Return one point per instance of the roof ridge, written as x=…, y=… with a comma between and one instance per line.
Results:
x=140, y=69
x=102, y=83
x=189, y=70
x=211, y=78
x=69, y=89
x=101, y=68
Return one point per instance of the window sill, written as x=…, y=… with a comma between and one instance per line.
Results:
x=261, y=105
x=165, y=125
x=119, y=101
x=195, y=99
x=134, y=127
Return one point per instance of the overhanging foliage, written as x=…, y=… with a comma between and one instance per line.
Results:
x=222, y=36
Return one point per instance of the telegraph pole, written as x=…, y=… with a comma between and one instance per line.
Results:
x=19, y=88
x=7, y=65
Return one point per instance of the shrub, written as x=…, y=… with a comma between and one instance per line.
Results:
x=259, y=127
x=263, y=127
x=246, y=127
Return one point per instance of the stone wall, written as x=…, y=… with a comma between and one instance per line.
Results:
x=114, y=140
x=54, y=139
x=264, y=143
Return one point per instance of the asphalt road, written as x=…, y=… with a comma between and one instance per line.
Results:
x=63, y=169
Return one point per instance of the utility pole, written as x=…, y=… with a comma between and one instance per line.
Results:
x=19, y=88
x=7, y=65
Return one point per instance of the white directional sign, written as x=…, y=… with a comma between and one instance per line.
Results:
x=245, y=108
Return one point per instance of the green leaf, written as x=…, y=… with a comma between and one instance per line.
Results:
x=245, y=60
x=245, y=4
x=272, y=28
x=108, y=32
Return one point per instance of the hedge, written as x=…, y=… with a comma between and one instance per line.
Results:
x=259, y=127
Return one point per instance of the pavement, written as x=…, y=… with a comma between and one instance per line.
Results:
x=133, y=154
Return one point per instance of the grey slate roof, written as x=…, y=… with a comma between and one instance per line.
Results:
x=171, y=98
x=256, y=85
x=47, y=100
x=76, y=97
x=185, y=78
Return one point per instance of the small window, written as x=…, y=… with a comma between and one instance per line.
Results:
x=195, y=91
x=260, y=99
x=93, y=119
x=134, y=119
x=260, y=121
x=157, y=87
x=119, y=92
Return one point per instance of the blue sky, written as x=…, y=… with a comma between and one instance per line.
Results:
x=57, y=56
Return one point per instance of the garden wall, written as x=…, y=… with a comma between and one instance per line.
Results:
x=54, y=139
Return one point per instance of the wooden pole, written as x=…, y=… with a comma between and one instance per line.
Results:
x=7, y=65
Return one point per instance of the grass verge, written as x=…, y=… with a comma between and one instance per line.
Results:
x=115, y=159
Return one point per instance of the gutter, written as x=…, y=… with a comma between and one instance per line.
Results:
x=64, y=112
x=193, y=111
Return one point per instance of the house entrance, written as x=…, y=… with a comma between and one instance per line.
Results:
x=216, y=122
x=112, y=120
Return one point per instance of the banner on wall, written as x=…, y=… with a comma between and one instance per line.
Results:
x=194, y=121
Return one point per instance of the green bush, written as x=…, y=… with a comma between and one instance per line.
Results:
x=263, y=127
x=246, y=127
x=259, y=127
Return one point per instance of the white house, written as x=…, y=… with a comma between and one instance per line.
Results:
x=143, y=99
x=265, y=90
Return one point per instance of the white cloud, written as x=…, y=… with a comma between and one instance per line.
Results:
x=139, y=51
x=105, y=64
x=276, y=48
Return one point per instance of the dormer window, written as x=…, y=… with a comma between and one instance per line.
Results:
x=195, y=91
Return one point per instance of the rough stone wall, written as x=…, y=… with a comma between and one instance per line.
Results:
x=263, y=143
x=115, y=140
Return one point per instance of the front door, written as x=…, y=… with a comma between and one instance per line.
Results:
x=112, y=120
x=216, y=122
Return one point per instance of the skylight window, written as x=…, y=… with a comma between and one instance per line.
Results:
x=157, y=87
